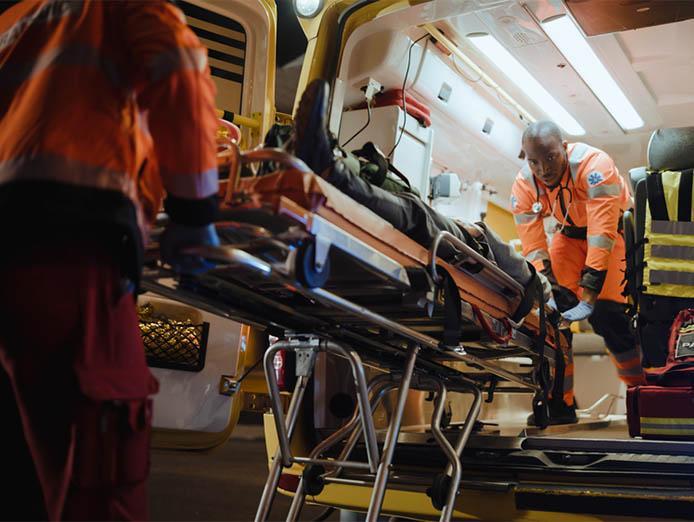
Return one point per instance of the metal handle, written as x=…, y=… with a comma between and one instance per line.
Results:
x=470, y=252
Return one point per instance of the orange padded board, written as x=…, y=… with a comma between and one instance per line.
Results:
x=317, y=195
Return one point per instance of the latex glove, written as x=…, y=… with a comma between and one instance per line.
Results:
x=179, y=237
x=579, y=312
x=552, y=303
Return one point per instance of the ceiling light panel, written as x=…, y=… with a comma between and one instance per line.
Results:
x=515, y=72
x=566, y=36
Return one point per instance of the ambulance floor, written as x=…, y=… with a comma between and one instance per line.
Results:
x=224, y=484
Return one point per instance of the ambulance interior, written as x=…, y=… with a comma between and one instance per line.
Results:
x=466, y=65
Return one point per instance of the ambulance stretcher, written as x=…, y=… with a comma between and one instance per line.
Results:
x=308, y=264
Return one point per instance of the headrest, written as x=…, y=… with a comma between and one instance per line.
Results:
x=671, y=149
x=635, y=175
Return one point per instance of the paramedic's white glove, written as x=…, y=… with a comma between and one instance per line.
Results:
x=177, y=238
x=579, y=312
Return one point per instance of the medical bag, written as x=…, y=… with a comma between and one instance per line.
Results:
x=664, y=409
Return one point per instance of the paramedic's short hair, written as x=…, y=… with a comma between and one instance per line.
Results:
x=542, y=129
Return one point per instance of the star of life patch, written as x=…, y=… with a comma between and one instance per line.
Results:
x=514, y=202
x=594, y=178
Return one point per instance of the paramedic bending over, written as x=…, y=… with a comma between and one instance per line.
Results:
x=581, y=187
x=80, y=177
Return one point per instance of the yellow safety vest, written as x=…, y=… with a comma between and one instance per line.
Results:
x=669, y=234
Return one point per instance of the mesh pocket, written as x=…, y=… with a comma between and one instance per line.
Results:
x=174, y=344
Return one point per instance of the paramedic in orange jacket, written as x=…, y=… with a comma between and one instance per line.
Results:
x=581, y=187
x=103, y=105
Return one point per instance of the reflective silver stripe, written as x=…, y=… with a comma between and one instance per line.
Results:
x=526, y=173
x=524, y=219
x=668, y=426
x=75, y=54
x=671, y=277
x=672, y=252
x=627, y=356
x=568, y=383
x=51, y=167
x=46, y=13
x=678, y=228
x=600, y=242
x=537, y=254
x=576, y=157
x=200, y=185
x=604, y=190
x=163, y=64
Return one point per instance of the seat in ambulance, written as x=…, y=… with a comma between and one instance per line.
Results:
x=660, y=239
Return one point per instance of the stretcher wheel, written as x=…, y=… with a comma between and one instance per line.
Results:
x=541, y=411
x=306, y=271
x=439, y=490
x=313, y=479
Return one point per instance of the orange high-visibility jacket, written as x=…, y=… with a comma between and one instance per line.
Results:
x=76, y=81
x=598, y=196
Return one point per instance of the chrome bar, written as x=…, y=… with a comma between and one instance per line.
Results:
x=470, y=420
x=363, y=403
x=379, y=384
x=270, y=489
x=381, y=481
x=469, y=251
x=449, y=451
x=332, y=463
x=412, y=335
x=276, y=403
x=278, y=155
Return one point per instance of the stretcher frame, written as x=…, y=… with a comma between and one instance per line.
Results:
x=415, y=359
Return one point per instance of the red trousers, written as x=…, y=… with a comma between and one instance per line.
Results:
x=74, y=388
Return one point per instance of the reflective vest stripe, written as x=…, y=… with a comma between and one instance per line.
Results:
x=600, y=241
x=524, y=219
x=667, y=425
x=576, y=157
x=51, y=167
x=183, y=58
x=192, y=185
x=11, y=76
x=671, y=277
x=672, y=252
x=675, y=228
x=604, y=190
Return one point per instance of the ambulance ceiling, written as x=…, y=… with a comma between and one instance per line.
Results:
x=654, y=64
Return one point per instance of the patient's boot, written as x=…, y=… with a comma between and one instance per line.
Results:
x=312, y=142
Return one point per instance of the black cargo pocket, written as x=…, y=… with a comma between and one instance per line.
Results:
x=112, y=442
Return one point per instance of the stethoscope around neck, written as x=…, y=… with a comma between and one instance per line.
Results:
x=537, y=207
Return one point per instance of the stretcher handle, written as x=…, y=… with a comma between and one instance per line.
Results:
x=238, y=158
x=489, y=330
x=472, y=253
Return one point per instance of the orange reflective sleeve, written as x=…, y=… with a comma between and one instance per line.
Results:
x=172, y=81
x=601, y=187
x=529, y=224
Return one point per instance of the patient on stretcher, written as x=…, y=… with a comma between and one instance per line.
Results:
x=404, y=210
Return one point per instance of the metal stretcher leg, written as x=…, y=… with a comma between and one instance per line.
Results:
x=378, y=387
x=306, y=350
x=454, y=468
x=451, y=455
x=273, y=478
x=381, y=481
